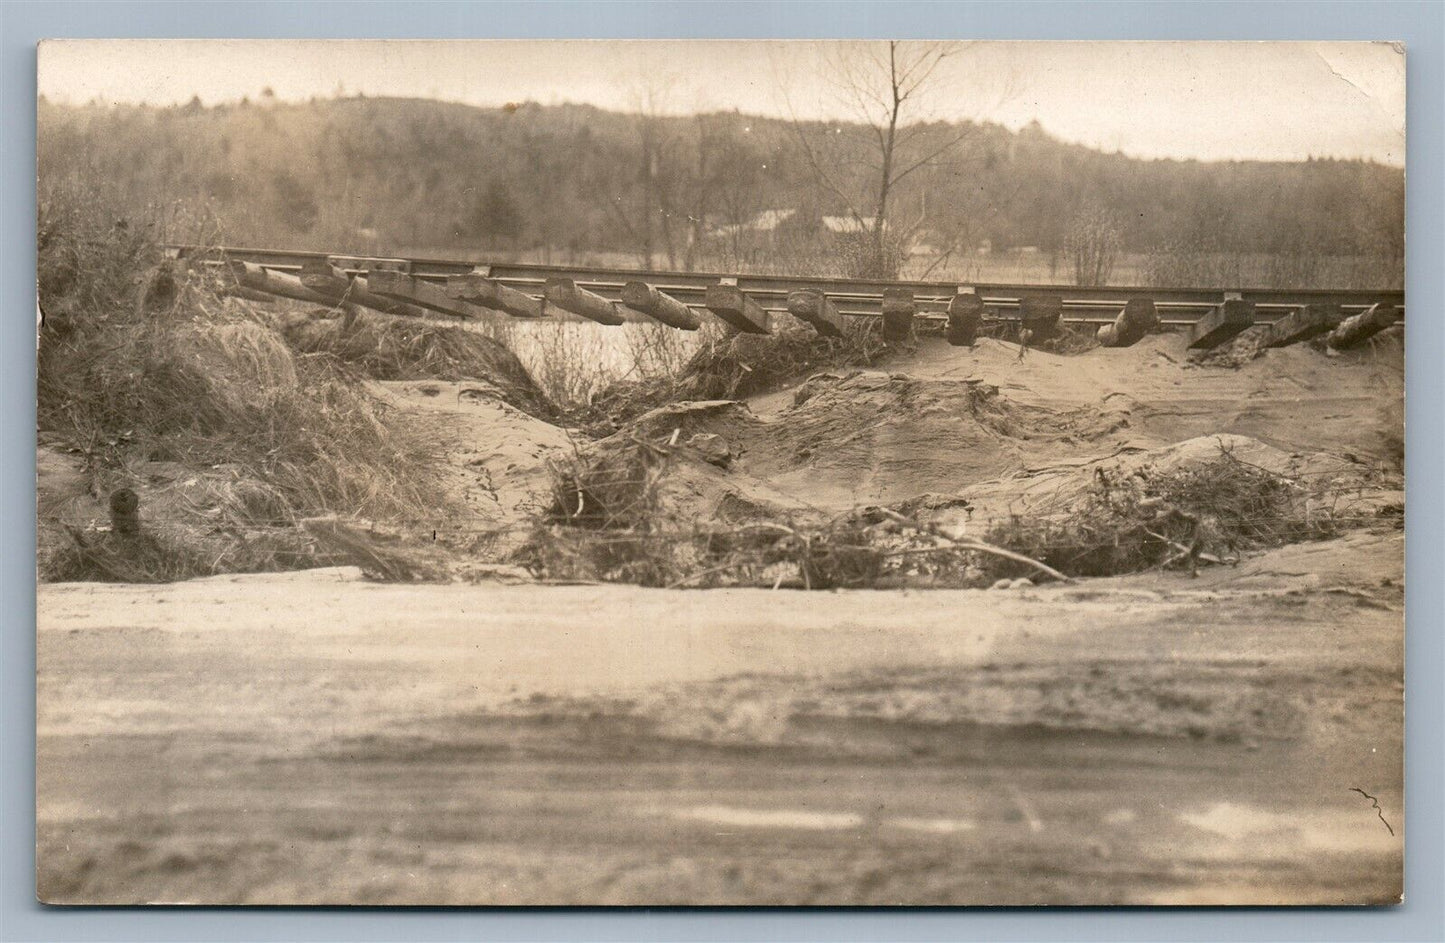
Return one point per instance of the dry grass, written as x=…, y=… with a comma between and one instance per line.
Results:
x=1070, y=339
x=736, y=366
x=382, y=347
x=141, y=368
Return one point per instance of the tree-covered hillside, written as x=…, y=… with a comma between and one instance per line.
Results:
x=369, y=175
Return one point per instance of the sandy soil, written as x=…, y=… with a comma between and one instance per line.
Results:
x=311, y=738
x=315, y=738
x=942, y=419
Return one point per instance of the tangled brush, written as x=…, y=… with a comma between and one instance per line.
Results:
x=1208, y=511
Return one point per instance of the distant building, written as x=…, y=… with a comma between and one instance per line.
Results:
x=848, y=225
x=766, y=222
x=794, y=222
x=779, y=228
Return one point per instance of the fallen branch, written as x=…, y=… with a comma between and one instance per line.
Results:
x=982, y=547
x=974, y=545
x=678, y=584
x=1183, y=551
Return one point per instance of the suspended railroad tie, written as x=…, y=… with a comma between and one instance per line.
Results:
x=487, y=292
x=659, y=306
x=1039, y=315
x=737, y=309
x=564, y=293
x=1305, y=323
x=321, y=276
x=248, y=294
x=1360, y=328
x=897, y=315
x=1138, y=318
x=231, y=287
x=399, y=286
x=965, y=316
x=817, y=309
x=254, y=277
x=1223, y=322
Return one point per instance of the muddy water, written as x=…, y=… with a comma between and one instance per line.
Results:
x=303, y=739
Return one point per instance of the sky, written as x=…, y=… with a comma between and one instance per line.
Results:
x=1203, y=100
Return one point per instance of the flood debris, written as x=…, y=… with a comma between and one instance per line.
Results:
x=628, y=510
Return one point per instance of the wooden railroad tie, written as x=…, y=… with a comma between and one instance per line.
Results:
x=321, y=276
x=737, y=309
x=1138, y=318
x=965, y=317
x=1356, y=330
x=1223, y=322
x=897, y=315
x=1039, y=314
x=564, y=293
x=815, y=308
x=640, y=296
x=487, y=292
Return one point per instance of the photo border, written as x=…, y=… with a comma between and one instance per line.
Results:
x=1420, y=25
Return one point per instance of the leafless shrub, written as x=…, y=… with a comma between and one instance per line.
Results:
x=1092, y=244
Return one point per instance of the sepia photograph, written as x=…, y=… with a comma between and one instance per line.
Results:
x=698, y=473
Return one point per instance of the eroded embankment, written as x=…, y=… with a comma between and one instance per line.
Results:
x=958, y=438
x=947, y=418
x=1090, y=463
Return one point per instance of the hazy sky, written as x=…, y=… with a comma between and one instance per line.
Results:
x=1270, y=101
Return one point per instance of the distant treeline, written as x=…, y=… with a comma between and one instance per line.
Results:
x=362, y=174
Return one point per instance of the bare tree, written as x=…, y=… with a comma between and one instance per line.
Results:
x=884, y=87
x=737, y=164
x=703, y=187
x=657, y=180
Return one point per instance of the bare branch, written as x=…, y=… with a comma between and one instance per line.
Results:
x=933, y=155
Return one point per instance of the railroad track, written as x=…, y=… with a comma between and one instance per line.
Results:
x=759, y=303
